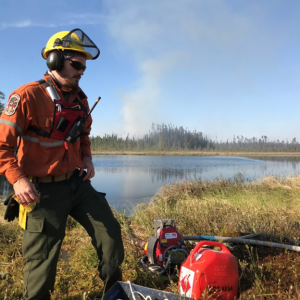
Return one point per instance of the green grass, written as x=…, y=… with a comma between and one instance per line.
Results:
x=228, y=208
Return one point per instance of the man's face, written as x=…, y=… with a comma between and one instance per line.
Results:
x=69, y=75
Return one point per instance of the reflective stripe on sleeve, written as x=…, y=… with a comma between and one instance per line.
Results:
x=10, y=123
x=44, y=144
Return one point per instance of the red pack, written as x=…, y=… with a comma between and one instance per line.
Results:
x=209, y=274
x=166, y=239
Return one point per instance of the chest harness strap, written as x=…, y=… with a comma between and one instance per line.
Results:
x=65, y=115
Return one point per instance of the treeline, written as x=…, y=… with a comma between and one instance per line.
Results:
x=243, y=144
x=172, y=138
x=159, y=138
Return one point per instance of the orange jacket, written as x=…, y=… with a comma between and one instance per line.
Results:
x=30, y=105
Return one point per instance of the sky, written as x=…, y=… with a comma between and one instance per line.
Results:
x=225, y=68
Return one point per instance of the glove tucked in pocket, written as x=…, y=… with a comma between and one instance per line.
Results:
x=12, y=209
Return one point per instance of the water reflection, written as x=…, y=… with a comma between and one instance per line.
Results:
x=132, y=179
x=272, y=157
x=162, y=175
x=286, y=161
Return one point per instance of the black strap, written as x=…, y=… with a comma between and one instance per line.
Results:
x=76, y=101
x=66, y=96
x=39, y=131
x=81, y=95
x=18, y=146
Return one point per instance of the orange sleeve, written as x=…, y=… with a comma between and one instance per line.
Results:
x=13, y=121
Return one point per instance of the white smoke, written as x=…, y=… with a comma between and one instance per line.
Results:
x=141, y=106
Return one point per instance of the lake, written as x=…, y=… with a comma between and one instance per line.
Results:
x=132, y=179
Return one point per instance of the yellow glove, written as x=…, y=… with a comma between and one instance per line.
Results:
x=23, y=210
x=14, y=210
x=28, y=207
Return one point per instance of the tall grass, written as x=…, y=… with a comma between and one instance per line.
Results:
x=221, y=208
x=234, y=208
x=230, y=207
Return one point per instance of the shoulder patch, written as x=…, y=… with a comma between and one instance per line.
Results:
x=12, y=104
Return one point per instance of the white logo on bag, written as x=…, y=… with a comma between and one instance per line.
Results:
x=171, y=235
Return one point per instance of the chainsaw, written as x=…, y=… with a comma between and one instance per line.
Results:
x=166, y=249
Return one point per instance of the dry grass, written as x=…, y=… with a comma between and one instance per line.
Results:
x=227, y=207
x=222, y=208
x=235, y=208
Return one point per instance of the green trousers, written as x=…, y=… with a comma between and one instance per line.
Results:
x=45, y=232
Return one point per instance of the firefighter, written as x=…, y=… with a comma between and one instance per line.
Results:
x=52, y=175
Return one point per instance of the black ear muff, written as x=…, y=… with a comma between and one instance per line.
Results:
x=55, y=60
x=42, y=52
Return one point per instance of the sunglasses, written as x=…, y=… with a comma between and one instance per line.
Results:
x=77, y=65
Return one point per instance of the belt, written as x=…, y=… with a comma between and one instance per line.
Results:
x=50, y=178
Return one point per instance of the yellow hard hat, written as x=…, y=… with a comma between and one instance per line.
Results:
x=74, y=40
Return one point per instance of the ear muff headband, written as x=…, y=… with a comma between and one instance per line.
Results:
x=55, y=60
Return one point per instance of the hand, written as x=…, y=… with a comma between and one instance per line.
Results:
x=89, y=166
x=26, y=191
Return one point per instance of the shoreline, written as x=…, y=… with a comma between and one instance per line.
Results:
x=194, y=153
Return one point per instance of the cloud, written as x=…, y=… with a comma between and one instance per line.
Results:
x=28, y=23
x=65, y=19
x=25, y=23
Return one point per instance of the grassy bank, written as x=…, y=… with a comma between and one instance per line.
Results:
x=223, y=207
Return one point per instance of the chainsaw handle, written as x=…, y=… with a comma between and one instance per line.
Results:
x=208, y=243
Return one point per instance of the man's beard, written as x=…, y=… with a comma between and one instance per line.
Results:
x=68, y=84
x=71, y=84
